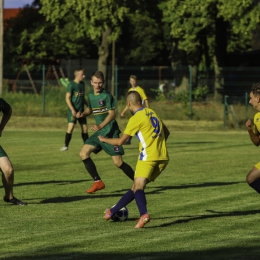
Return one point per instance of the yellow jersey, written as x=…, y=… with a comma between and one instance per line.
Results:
x=140, y=91
x=148, y=128
x=256, y=128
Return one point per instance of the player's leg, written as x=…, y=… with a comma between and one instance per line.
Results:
x=84, y=128
x=144, y=171
x=70, y=128
x=7, y=170
x=125, y=200
x=126, y=168
x=89, y=147
x=253, y=178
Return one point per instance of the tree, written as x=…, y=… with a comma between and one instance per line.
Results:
x=211, y=28
x=29, y=36
x=98, y=19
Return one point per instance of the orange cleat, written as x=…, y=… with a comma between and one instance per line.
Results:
x=108, y=214
x=142, y=221
x=97, y=185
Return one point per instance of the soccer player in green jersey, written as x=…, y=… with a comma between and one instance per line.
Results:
x=134, y=87
x=153, y=156
x=6, y=166
x=253, y=177
x=75, y=99
x=102, y=105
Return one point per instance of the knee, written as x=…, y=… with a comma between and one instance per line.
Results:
x=249, y=178
x=82, y=155
x=9, y=171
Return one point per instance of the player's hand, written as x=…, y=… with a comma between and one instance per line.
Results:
x=95, y=127
x=122, y=114
x=101, y=138
x=249, y=124
x=79, y=115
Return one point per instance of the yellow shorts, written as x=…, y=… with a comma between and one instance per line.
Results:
x=150, y=170
x=258, y=166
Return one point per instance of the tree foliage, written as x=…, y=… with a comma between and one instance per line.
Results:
x=193, y=21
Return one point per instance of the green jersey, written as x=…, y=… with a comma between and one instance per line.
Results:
x=77, y=92
x=100, y=105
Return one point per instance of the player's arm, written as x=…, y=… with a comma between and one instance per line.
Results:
x=123, y=112
x=146, y=103
x=69, y=103
x=5, y=118
x=166, y=132
x=254, y=137
x=114, y=141
x=86, y=112
x=110, y=116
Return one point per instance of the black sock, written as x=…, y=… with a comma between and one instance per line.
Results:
x=84, y=136
x=126, y=168
x=67, y=139
x=91, y=168
x=256, y=185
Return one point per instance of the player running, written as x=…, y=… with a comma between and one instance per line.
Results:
x=153, y=155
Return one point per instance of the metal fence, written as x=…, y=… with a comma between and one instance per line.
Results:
x=28, y=78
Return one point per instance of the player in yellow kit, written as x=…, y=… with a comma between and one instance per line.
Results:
x=153, y=156
x=134, y=87
x=253, y=177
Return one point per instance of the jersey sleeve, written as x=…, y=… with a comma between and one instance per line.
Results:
x=70, y=88
x=142, y=93
x=132, y=127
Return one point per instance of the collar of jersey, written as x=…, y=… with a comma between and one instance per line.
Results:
x=138, y=110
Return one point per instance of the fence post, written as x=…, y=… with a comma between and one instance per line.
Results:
x=190, y=90
x=43, y=89
x=116, y=83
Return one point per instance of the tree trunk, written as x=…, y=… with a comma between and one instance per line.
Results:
x=220, y=57
x=103, y=52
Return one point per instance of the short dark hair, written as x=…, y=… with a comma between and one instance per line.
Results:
x=77, y=70
x=134, y=97
x=133, y=77
x=98, y=74
x=255, y=89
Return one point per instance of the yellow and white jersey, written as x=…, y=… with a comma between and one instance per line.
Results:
x=256, y=128
x=148, y=128
x=140, y=91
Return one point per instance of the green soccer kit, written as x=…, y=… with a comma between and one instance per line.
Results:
x=77, y=91
x=100, y=105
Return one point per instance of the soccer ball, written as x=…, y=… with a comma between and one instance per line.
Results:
x=120, y=215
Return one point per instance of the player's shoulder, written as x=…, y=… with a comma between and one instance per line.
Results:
x=257, y=117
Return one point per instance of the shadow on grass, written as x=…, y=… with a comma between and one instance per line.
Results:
x=215, y=214
x=221, y=253
x=59, y=182
x=157, y=189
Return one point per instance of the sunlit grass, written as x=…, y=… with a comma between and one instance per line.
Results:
x=200, y=207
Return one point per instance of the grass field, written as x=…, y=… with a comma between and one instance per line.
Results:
x=200, y=207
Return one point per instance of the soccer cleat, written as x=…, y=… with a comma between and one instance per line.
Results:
x=142, y=221
x=15, y=201
x=97, y=185
x=65, y=148
x=108, y=214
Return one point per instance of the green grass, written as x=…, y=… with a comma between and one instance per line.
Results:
x=200, y=207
